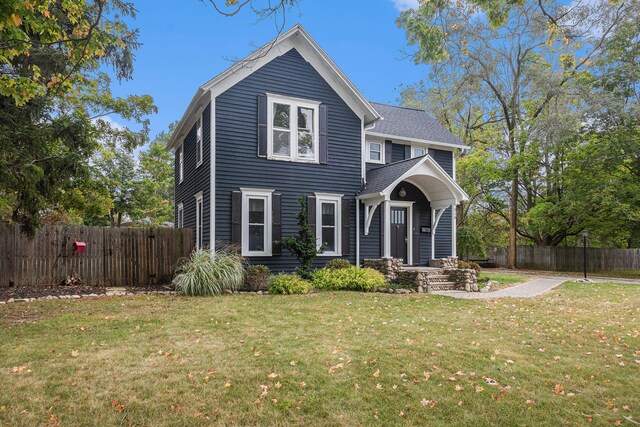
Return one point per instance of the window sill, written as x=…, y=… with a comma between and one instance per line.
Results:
x=255, y=254
x=290, y=160
x=377, y=162
x=325, y=254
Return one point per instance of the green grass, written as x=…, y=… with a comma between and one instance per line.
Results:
x=623, y=274
x=504, y=280
x=324, y=359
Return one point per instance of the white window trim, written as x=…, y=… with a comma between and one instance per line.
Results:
x=329, y=198
x=181, y=164
x=382, y=150
x=249, y=193
x=418, y=147
x=293, y=103
x=180, y=219
x=199, y=143
x=198, y=197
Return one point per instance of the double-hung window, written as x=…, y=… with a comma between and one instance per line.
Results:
x=181, y=163
x=375, y=152
x=256, y=222
x=293, y=131
x=418, y=151
x=199, y=142
x=328, y=223
x=199, y=220
x=180, y=219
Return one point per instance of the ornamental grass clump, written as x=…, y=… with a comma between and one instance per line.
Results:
x=209, y=273
x=348, y=279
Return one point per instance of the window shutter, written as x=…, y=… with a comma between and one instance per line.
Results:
x=407, y=151
x=388, y=151
x=311, y=210
x=262, y=125
x=276, y=223
x=324, y=135
x=416, y=235
x=346, y=222
x=236, y=217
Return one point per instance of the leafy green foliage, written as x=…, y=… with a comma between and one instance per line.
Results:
x=469, y=241
x=257, y=277
x=348, y=279
x=209, y=273
x=337, y=263
x=288, y=284
x=303, y=246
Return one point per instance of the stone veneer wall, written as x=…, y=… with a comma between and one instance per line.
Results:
x=389, y=267
x=448, y=263
x=465, y=278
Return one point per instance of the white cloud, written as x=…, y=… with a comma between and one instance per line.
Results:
x=406, y=4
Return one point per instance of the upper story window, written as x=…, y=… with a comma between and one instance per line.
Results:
x=418, y=151
x=375, y=152
x=256, y=222
x=328, y=221
x=199, y=142
x=180, y=221
x=181, y=163
x=293, y=131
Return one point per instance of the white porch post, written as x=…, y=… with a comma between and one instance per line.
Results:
x=454, y=229
x=387, y=229
x=433, y=233
x=357, y=233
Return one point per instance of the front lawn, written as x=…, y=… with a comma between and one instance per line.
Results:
x=346, y=358
x=505, y=280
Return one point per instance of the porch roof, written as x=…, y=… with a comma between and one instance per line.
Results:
x=423, y=172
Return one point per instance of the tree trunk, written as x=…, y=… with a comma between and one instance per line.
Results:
x=513, y=221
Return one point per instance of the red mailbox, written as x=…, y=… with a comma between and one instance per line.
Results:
x=79, y=247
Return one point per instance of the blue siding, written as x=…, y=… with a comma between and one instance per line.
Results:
x=398, y=152
x=444, y=158
x=195, y=179
x=237, y=163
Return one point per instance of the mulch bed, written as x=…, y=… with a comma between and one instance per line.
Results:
x=20, y=292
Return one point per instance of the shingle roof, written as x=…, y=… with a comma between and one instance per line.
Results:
x=411, y=123
x=380, y=178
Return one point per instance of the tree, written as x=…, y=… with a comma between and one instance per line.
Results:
x=518, y=72
x=55, y=97
x=304, y=245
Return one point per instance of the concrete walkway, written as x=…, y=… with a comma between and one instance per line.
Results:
x=528, y=289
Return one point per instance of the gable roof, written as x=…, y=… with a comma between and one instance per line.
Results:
x=380, y=178
x=296, y=37
x=412, y=124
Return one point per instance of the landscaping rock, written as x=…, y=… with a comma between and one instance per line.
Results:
x=389, y=267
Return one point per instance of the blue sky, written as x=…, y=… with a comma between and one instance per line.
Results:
x=185, y=43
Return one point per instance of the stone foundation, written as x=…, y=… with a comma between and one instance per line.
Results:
x=389, y=267
x=448, y=263
x=464, y=278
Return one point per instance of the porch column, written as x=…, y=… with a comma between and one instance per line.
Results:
x=387, y=230
x=357, y=232
x=454, y=230
x=433, y=233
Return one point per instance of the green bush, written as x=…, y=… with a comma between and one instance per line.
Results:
x=337, y=264
x=209, y=273
x=288, y=284
x=348, y=279
x=257, y=277
x=470, y=265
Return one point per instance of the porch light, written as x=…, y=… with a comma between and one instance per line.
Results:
x=402, y=193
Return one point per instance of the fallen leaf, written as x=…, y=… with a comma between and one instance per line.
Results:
x=376, y=373
x=272, y=376
x=74, y=353
x=459, y=387
x=558, y=389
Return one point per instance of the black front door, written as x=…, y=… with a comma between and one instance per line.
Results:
x=399, y=233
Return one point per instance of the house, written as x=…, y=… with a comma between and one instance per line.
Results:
x=285, y=122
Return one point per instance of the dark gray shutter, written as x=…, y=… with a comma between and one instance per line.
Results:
x=407, y=151
x=324, y=135
x=262, y=125
x=311, y=210
x=346, y=230
x=236, y=217
x=388, y=151
x=416, y=235
x=276, y=223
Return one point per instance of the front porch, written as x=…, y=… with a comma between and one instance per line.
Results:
x=409, y=209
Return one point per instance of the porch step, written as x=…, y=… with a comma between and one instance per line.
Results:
x=443, y=286
x=438, y=278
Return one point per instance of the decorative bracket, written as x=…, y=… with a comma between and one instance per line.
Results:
x=369, y=210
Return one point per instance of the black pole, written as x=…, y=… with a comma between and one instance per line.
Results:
x=584, y=250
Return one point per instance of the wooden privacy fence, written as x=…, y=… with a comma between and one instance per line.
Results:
x=569, y=258
x=112, y=257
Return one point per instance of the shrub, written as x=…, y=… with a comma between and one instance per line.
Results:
x=257, y=277
x=288, y=284
x=337, y=264
x=209, y=273
x=348, y=279
x=469, y=265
